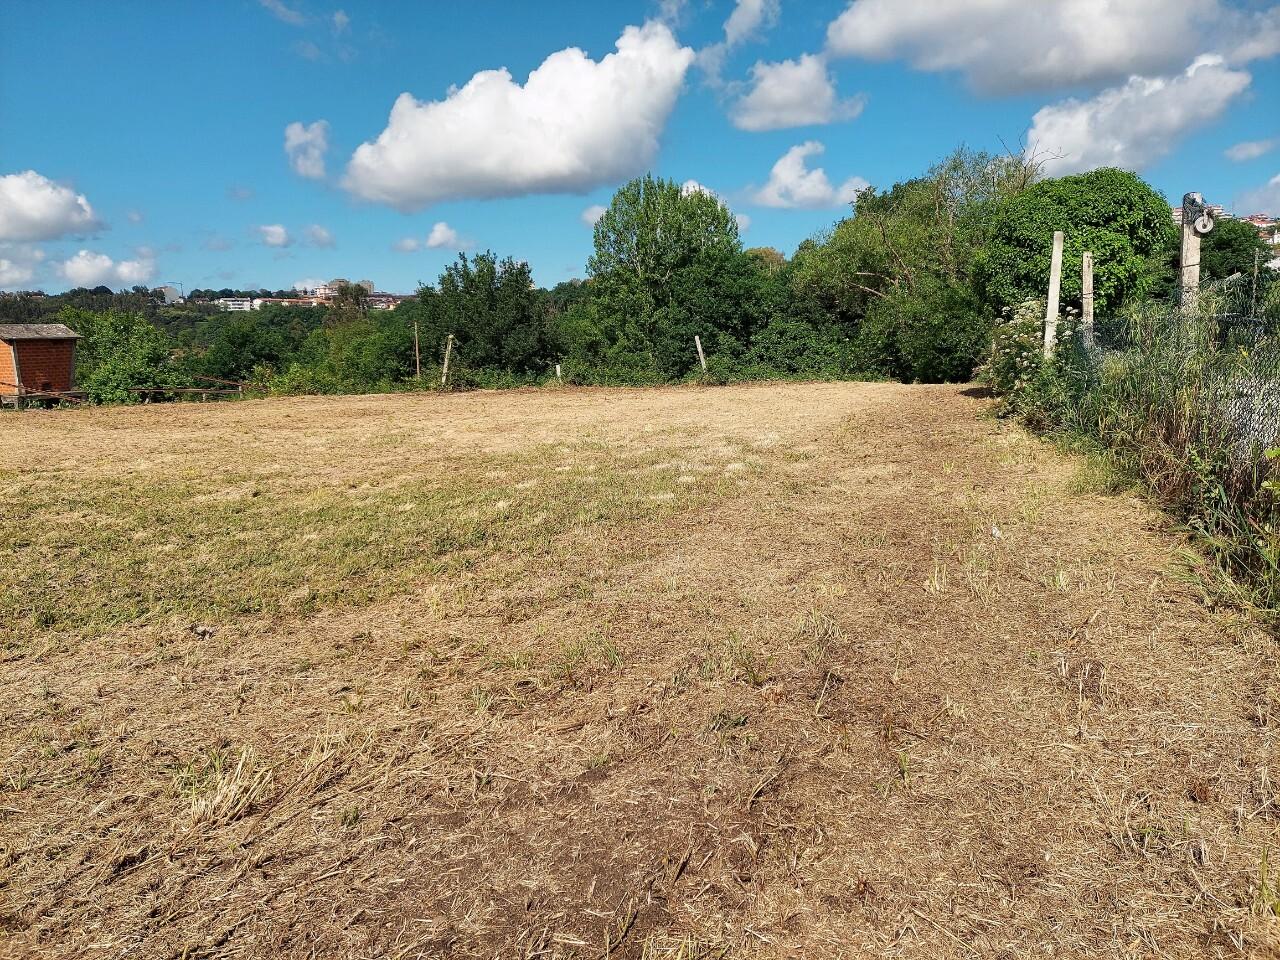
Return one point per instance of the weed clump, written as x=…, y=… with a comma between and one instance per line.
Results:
x=1185, y=402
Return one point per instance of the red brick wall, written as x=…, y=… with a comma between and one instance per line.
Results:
x=8, y=378
x=45, y=364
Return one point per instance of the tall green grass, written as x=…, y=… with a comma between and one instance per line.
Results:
x=1186, y=400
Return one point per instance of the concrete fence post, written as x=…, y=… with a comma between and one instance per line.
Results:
x=1086, y=299
x=1055, y=296
x=1197, y=220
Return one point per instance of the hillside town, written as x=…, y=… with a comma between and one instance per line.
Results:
x=1268, y=227
x=322, y=295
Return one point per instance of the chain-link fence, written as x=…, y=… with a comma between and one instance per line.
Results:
x=1248, y=381
x=1212, y=372
x=1189, y=399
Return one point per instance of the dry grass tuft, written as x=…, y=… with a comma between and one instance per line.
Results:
x=219, y=789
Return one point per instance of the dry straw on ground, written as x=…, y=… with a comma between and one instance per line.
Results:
x=803, y=671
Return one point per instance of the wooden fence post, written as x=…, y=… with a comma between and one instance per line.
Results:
x=448, y=352
x=1055, y=296
x=417, y=355
x=702, y=358
x=1086, y=298
x=559, y=378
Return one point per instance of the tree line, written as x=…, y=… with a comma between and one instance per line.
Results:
x=908, y=286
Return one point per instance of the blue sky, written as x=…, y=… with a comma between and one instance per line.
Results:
x=145, y=141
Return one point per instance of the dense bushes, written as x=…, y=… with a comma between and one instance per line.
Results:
x=886, y=293
x=1187, y=406
x=1112, y=213
x=493, y=311
x=898, y=275
x=1184, y=401
x=912, y=285
x=119, y=354
x=936, y=332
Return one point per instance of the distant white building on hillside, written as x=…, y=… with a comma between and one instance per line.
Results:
x=235, y=303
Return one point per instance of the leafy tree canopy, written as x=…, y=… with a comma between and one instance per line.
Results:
x=1112, y=213
x=653, y=240
x=118, y=351
x=493, y=311
x=1230, y=249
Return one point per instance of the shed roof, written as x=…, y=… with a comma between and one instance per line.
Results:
x=37, y=331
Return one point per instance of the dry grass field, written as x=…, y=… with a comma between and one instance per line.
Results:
x=846, y=670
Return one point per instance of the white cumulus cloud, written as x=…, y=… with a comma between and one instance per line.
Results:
x=792, y=93
x=14, y=274
x=1256, y=35
x=744, y=222
x=670, y=11
x=33, y=207
x=1004, y=46
x=407, y=245
x=1133, y=125
x=573, y=125
x=1265, y=199
x=305, y=146
x=746, y=20
x=274, y=235
x=19, y=265
x=443, y=235
x=90, y=269
x=1249, y=150
x=747, y=17
x=593, y=213
x=793, y=184
x=319, y=236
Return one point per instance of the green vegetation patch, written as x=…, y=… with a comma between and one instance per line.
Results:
x=89, y=554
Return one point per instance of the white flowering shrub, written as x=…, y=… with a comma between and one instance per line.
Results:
x=1017, y=345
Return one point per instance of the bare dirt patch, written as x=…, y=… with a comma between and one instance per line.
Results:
x=822, y=670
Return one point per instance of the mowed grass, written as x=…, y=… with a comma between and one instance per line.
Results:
x=86, y=553
x=798, y=671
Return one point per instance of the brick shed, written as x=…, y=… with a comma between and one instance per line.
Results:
x=37, y=358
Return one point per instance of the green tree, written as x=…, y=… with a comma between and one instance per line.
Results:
x=768, y=259
x=350, y=302
x=244, y=343
x=367, y=354
x=653, y=247
x=932, y=332
x=493, y=311
x=1112, y=213
x=1230, y=249
x=897, y=275
x=118, y=351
